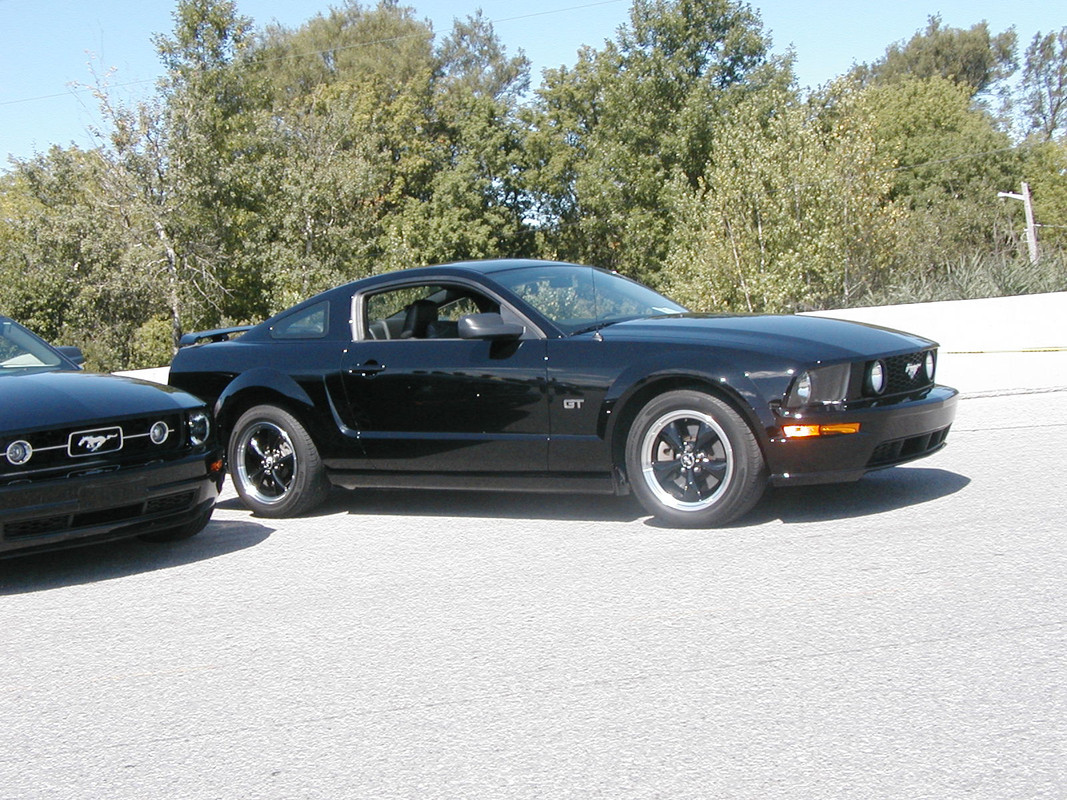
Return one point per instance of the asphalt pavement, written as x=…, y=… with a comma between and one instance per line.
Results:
x=900, y=637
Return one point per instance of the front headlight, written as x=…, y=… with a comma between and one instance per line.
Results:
x=819, y=386
x=199, y=426
x=875, y=380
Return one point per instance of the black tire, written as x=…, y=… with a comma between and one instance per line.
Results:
x=274, y=464
x=186, y=531
x=693, y=461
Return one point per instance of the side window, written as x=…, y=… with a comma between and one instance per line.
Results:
x=310, y=323
x=429, y=311
x=460, y=307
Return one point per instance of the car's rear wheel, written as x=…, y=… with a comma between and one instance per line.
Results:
x=274, y=464
x=693, y=461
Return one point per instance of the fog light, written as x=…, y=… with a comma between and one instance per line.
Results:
x=159, y=432
x=18, y=453
x=929, y=364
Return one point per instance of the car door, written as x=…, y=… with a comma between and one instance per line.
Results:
x=428, y=401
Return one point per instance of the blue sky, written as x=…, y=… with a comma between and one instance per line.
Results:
x=47, y=45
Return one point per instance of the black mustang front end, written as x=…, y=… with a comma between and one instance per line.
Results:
x=839, y=422
x=87, y=457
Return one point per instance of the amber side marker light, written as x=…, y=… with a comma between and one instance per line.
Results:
x=811, y=431
x=215, y=467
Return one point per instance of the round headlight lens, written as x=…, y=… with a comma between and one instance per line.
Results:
x=876, y=377
x=159, y=432
x=18, y=453
x=199, y=427
x=929, y=364
x=802, y=388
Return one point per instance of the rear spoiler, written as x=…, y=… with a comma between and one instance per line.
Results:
x=217, y=335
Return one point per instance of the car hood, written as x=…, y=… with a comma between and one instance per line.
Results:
x=790, y=336
x=61, y=399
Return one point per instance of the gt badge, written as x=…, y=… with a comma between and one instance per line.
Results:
x=572, y=404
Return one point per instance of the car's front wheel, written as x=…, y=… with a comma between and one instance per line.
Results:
x=693, y=461
x=274, y=463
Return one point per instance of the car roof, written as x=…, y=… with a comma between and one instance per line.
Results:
x=485, y=267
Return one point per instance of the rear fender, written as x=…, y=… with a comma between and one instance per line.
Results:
x=259, y=385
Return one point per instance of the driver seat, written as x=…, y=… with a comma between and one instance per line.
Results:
x=420, y=315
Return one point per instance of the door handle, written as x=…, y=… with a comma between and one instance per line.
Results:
x=367, y=370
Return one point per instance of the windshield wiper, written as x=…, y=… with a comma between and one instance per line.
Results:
x=601, y=324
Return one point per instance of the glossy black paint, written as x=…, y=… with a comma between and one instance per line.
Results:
x=548, y=410
x=67, y=493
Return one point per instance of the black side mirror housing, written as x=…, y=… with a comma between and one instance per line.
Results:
x=72, y=353
x=490, y=327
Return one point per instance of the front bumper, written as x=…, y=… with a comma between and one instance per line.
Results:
x=888, y=435
x=68, y=511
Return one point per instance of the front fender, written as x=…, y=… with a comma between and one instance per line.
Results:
x=750, y=382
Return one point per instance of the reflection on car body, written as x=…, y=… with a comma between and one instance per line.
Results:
x=531, y=375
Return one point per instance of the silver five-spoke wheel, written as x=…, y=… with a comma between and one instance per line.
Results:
x=693, y=461
x=275, y=465
x=266, y=462
x=686, y=460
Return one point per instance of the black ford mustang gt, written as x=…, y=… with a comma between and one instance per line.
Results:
x=556, y=377
x=87, y=457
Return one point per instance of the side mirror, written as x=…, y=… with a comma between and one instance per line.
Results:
x=490, y=327
x=72, y=353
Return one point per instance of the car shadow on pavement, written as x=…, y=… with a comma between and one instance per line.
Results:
x=494, y=505
x=36, y=572
x=875, y=493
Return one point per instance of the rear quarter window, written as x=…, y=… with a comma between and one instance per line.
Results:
x=308, y=323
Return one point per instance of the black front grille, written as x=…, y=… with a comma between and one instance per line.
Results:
x=45, y=526
x=901, y=450
x=91, y=447
x=165, y=505
x=906, y=373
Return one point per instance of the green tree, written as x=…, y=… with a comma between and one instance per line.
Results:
x=207, y=149
x=794, y=213
x=611, y=134
x=971, y=58
x=413, y=150
x=949, y=160
x=68, y=268
x=1043, y=90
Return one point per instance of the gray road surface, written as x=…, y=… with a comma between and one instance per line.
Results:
x=903, y=637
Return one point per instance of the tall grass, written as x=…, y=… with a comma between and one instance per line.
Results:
x=975, y=276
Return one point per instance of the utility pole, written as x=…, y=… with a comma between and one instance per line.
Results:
x=1031, y=227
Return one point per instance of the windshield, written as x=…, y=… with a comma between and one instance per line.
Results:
x=580, y=299
x=21, y=351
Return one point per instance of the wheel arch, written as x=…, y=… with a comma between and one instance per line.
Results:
x=625, y=409
x=263, y=387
